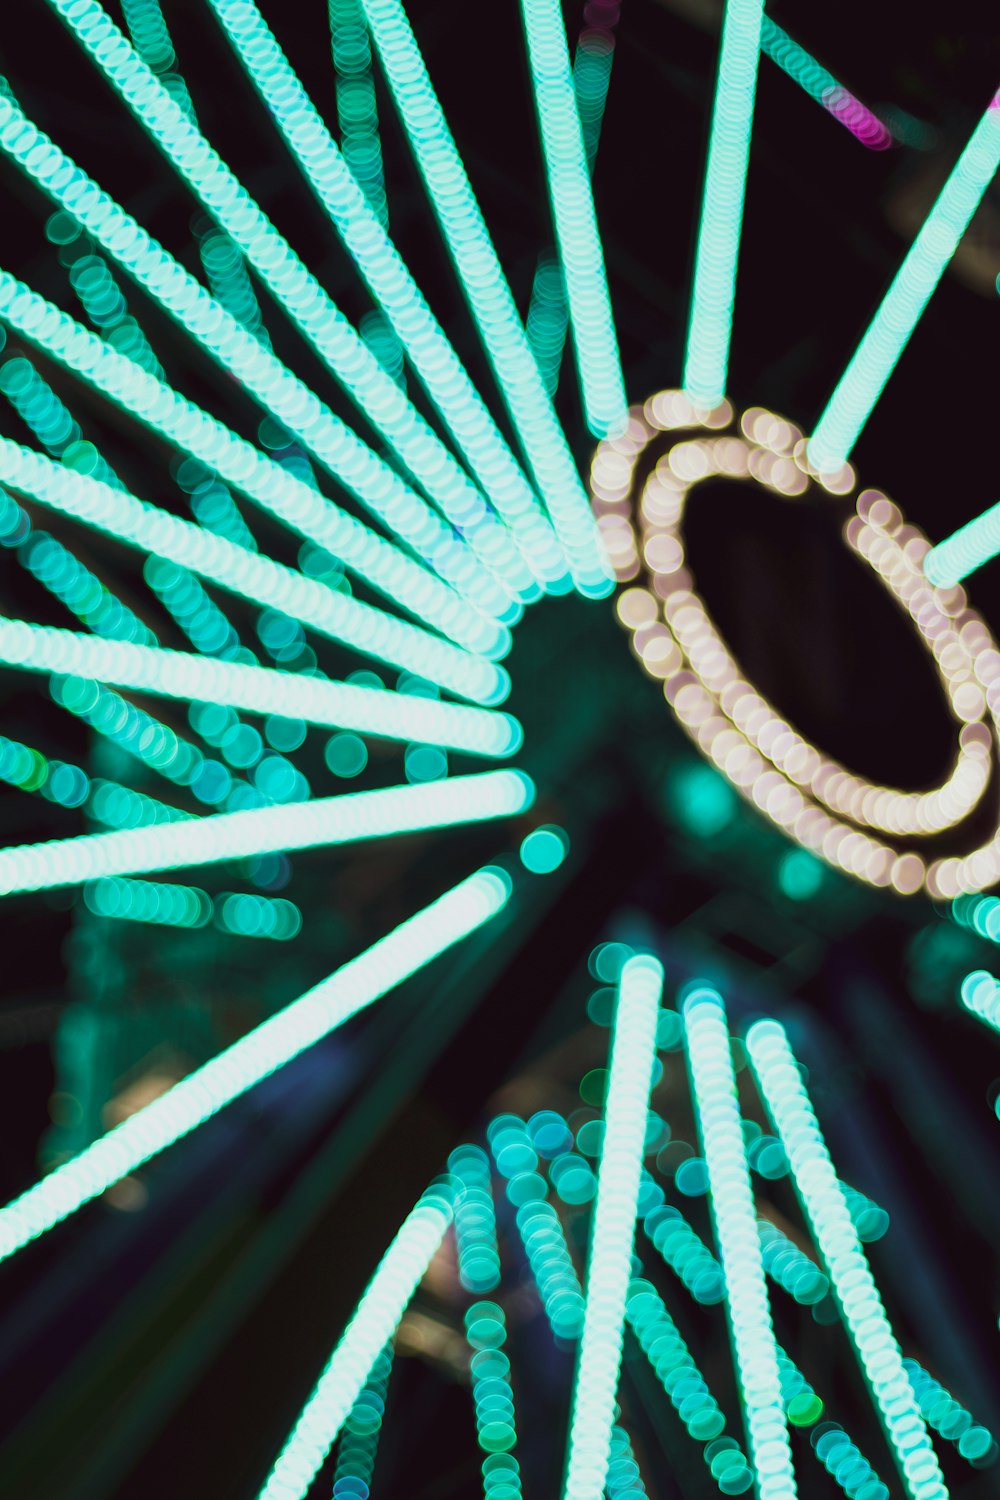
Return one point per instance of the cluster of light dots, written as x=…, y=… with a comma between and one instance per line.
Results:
x=980, y=994
x=358, y=1446
x=848, y=1465
x=674, y=1365
x=833, y=813
x=374, y=1322
x=475, y=1221
x=949, y=1417
x=492, y=1394
x=580, y=252
x=373, y=973
x=786, y=1264
x=833, y=1230
x=713, y=1086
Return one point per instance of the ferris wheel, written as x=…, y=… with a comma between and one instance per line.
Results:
x=386, y=508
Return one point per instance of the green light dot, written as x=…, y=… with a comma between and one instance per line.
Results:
x=800, y=875
x=346, y=755
x=594, y=1086
x=544, y=849
x=804, y=1409
x=608, y=960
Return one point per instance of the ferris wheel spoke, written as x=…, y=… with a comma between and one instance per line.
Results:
x=259, y=579
x=260, y=690
x=706, y=360
x=900, y=310
x=393, y=958
x=596, y=342
x=488, y=294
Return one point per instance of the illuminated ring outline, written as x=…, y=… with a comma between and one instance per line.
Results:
x=839, y=816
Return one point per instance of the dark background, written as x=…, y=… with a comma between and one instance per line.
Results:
x=167, y=1349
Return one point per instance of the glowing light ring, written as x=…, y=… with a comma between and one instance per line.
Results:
x=839, y=816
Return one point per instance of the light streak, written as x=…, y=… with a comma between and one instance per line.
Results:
x=966, y=550
x=288, y=399
x=240, y=571
x=980, y=995
x=373, y=973
x=375, y=1321
x=713, y=1085
x=263, y=690
x=596, y=343
x=706, y=361
x=899, y=312
x=488, y=294
x=396, y=293
x=319, y=823
x=833, y=1230
x=633, y=1050
x=823, y=87
x=317, y=317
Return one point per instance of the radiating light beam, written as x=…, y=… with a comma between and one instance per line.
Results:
x=287, y=398
x=980, y=995
x=389, y=570
x=319, y=823
x=375, y=1321
x=888, y=334
x=259, y=690
x=823, y=87
x=965, y=551
x=595, y=340
x=394, y=289
x=488, y=295
x=833, y=1231
x=713, y=1085
x=706, y=361
x=609, y=1266
x=238, y=570
x=313, y=312
x=373, y=973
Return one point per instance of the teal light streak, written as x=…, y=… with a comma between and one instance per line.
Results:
x=250, y=575
x=981, y=997
x=966, y=550
x=317, y=700
x=633, y=1050
x=706, y=361
x=475, y=1221
x=377, y=1317
x=833, y=1230
x=888, y=334
x=287, y=497
x=822, y=86
x=288, y=399
x=488, y=295
x=150, y=901
x=394, y=289
x=493, y=1395
x=713, y=1085
x=357, y=108
x=949, y=1417
x=317, y=317
x=319, y=823
x=597, y=355
x=364, y=979
x=362, y=1425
